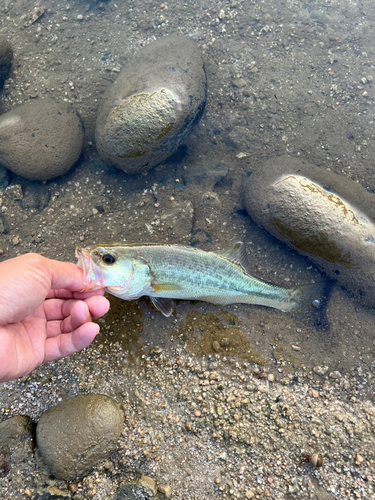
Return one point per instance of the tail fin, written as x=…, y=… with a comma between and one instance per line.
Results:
x=309, y=302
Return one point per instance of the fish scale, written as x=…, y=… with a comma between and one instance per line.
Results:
x=167, y=272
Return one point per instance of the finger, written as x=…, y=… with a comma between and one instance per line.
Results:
x=80, y=314
x=67, y=344
x=53, y=328
x=58, y=308
x=86, y=295
x=67, y=294
x=83, y=311
x=98, y=306
x=63, y=275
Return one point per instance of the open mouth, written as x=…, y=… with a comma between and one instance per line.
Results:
x=93, y=278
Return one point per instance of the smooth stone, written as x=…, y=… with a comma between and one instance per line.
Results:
x=40, y=139
x=149, y=111
x=321, y=215
x=73, y=436
x=6, y=57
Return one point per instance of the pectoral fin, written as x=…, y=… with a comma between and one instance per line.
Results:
x=165, y=287
x=165, y=306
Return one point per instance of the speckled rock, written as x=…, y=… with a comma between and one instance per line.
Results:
x=41, y=139
x=142, y=489
x=156, y=100
x=16, y=445
x=6, y=57
x=321, y=215
x=74, y=435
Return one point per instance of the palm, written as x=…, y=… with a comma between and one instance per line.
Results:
x=39, y=324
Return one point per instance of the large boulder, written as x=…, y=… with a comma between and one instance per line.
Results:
x=153, y=105
x=40, y=139
x=321, y=215
x=73, y=436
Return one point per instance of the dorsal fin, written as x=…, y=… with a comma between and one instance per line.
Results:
x=237, y=254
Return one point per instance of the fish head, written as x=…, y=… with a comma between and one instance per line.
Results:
x=104, y=267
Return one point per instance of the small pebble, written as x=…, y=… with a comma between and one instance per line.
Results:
x=216, y=346
x=167, y=490
x=335, y=375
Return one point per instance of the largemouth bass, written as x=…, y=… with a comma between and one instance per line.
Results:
x=167, y=272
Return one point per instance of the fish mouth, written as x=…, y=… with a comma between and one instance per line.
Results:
x=93, y=277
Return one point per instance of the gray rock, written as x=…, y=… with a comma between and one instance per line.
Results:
x=6, y=57
x=41, y=139
x=16, y=443
x=239, y=138
x=36, y=196
x=321, y=215
x=14, y=430
x=156, y=100
x=142, y=489
x=75, y=434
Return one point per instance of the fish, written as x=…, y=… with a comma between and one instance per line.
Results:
x=166, y=272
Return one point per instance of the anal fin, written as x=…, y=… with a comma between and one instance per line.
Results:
x=165, y=306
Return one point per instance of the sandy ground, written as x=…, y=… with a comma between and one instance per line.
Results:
x=283, y=78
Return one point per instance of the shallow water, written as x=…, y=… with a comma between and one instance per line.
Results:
x=288, y=77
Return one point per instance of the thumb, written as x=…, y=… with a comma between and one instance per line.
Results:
x=64, y=275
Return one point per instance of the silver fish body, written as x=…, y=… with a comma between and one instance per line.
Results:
x=167, y=272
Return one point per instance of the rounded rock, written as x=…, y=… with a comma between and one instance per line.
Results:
x=73, y=436
x=6, y=57
x=148, y=112
x=41, y=139
x=321, y=215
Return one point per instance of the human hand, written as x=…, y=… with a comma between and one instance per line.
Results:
x=43, y=316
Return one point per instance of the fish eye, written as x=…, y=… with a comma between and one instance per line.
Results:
x=315, y=303
x=107, y=258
